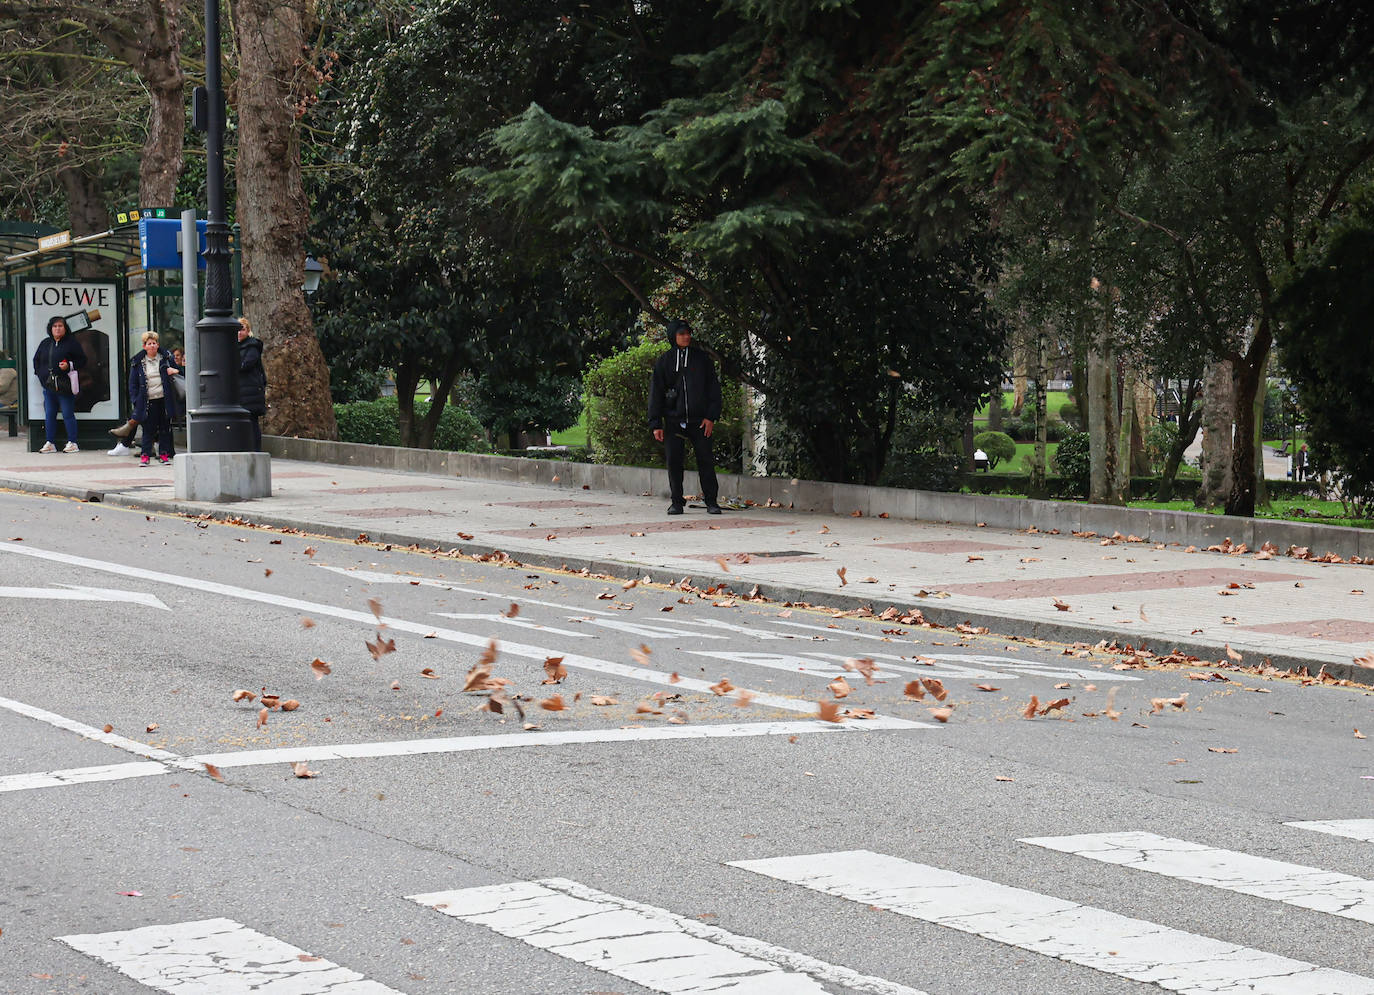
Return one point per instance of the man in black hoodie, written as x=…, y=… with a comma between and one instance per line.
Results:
x=684, y=404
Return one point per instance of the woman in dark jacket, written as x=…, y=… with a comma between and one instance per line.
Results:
x=252, y=379
x=56, y=357
x=153, y=397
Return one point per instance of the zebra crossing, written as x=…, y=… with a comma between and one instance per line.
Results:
x=661, y=950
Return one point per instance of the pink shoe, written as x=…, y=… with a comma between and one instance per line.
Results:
x=164, y=459
x=143, y=460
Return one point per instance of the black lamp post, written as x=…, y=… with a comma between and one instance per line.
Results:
x=219, y=425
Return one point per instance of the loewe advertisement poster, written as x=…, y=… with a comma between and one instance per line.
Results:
x=91, y=310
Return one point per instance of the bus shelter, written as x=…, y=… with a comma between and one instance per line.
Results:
x=111, y=287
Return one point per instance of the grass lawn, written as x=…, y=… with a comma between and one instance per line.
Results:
x=1055, y=400
x=575, y=436
x=1025, y=452
x=1288, y=509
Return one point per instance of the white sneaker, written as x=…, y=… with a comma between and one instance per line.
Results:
x=70, y=448
x=119, y=450
x=48, y=447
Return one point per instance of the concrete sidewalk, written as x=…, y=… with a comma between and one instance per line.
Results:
x=1295, y=612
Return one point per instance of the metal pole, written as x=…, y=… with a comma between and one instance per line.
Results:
x=190, y=305
x=217, y=424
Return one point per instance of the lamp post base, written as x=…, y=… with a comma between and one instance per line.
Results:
x=218, y=477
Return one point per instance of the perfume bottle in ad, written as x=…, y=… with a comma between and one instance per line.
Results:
x=81, y=320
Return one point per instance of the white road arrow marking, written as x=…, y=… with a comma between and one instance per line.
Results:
x=1355, y=829
x=74, y=592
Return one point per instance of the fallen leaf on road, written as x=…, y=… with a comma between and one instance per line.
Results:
x=647, y=708
x=1055, y=705
x=744, y=699
x=554, y=704
x=601, y=699
x=1157, y=705
x=723, y=686
x=1032, y=708
x=999, y=777
x=862, y=665
x=673, y=678
x=241, y=694
x=1360, y=735
x=152, y=726
x=606, y=596
x=512, y=611
x=213, y=771
x=985, y=687
x=1060, y=605
x=477, y=677
x=935, y=687
x=376, y=607
x=307, y=623
x=301, y=770
x=914, y=691
x=272, y=701
x=1063, y=687
x=429, y=672
x=320, y=668
x=290, y=705
x=126, y=894
x=1232, y=653
x=829, y=712
x=396, y=686
x=1367, y=660
x=941, y=714
x=553, y=666
x=262, y=717
x=839, y=572
x=1221, y=749
x=110, y=728
x=381, y=647
x=310, y=551
x=641, y=655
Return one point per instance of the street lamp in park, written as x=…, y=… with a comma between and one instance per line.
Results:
x=313, y=272
x=219, y=425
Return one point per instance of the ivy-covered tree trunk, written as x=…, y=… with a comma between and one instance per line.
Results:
x=1218, y=424
x=1249, y=375
x=272, y=92
x=1104, y=422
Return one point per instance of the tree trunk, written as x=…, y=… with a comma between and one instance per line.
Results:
x=1218, y=424
x=1189, y=420
x=1038, y=470
x=1126, y=431
x=273, y=213
x=1261, y=489
x=1104, y=422
x=1144, y=401
x=1248, y=376
x=151, y=45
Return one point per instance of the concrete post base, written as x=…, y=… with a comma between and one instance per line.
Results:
x=222, y=476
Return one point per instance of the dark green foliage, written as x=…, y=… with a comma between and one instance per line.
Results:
x=997, y=445
x=505, y=405
x=376, y=423
x=617, y=398
x=1329, y=351
x=1072, y=462
x=927, y=450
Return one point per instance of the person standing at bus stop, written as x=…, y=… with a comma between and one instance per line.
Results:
x=54, y=361
x=153, y=398
x=684, y=406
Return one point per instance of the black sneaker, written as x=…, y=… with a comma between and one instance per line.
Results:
x=713, y=509
x=674, y=509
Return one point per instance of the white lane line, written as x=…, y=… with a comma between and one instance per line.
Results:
x=646, y=945
x=218, y=957
x=418, y=747
x=1355, y=829
x=1080, y=934
x=761, y=698
x=85, y=731
x=829, y=665
x=497, y=618
x=373, y=577
x=74, y=592
x=503, y=741
x=82, y=775
x=1279, y=881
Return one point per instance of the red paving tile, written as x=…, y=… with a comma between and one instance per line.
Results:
x=385, y=512
x=56, y=466
x=764, y=556
x=296, y=475
x=1345, y=630
x=546, y=505
x=691, y=525
x=147, y=478
x=944, y=546
x=1150, y=580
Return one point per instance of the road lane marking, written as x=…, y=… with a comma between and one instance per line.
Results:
x=373, y=577
x=646, y=945
x=520, y=623
x=1355, y=829
x=1279, y=881
x=217, y=956
x=85, y=731
x=74, y=592
x=644, y=674
x=1079, y=934
x=419, y=747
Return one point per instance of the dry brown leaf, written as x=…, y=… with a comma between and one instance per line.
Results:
x=601, y=699
x=489, y=655
x=941, y=714
x=1055, y=705
x=152, y=727
x=1232, y=654
x=477, y=677
x=914, y=691
x=1157, y=705
x=1110, y=711
x=290, y=705
x=839, y=572
x=1063, y=687
x=262, y=717
x=241, y=694
x=512, y=611
x=862, y=665
x=376, y=607
x=301, y=770
x=307, y=623
x=554, y=704
x=673, y=678
x=272, y=701
x=396, y=686
x=1060, y=605
x=310, y=551
x=496, y=702
x=1360, y=735
x=1032, y=708
x=429, y=672
x=935, y=687
x=1366, y=660
x=641, y=655
x=214, y=772
x=986, y=687
x=1222, y=749
x=722, y=686
x=553, y=666
x=744, y=698
x=320, y=668
x=606, y=596
x=829, y=712
x=110, y=728
x=839, y=687
x=647, y=707
x=381, y=647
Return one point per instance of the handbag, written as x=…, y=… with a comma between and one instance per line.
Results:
x=179, y=383
x=75, y=380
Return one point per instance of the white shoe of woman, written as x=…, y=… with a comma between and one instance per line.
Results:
x=48, y=447
x=70, y=448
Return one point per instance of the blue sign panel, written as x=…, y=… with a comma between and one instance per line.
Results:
x=157, y=243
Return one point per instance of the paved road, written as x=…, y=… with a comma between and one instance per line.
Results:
x=670, y=838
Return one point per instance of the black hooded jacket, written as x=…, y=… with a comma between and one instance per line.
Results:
x=684, y=388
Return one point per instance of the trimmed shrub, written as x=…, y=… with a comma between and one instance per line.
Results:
x=1073, y=463
x=926, y=451
x=997, y=445
x=376, y=423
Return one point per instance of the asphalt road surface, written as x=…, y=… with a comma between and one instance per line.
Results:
x=670, y=816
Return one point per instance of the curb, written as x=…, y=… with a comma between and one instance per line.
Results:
x=1205, y=650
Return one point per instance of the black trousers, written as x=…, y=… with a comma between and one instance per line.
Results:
x=157, y=425
x=673, y=438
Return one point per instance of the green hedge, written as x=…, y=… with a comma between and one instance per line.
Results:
x=377, y=423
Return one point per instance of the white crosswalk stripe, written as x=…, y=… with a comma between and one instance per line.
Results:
x=1277, y=880
x=220, y=957
x=1355, y=829
x=648, y=946
x=1114, y=944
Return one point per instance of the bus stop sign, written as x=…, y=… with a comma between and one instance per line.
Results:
x=159, y=243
